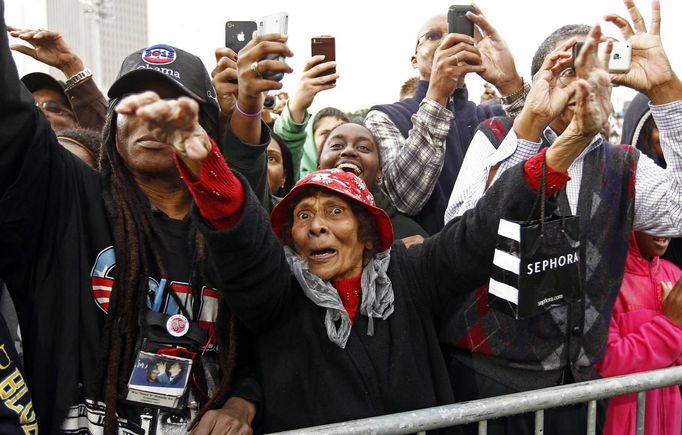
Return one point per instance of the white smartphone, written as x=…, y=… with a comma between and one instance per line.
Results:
x=621, y=56
x=274, y=23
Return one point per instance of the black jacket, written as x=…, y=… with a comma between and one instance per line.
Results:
x=308, y=380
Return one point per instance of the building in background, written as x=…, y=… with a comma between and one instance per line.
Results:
x=101, y=32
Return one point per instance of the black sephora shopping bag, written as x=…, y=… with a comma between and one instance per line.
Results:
x=537, y=264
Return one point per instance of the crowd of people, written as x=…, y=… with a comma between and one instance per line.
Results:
x=181, y=258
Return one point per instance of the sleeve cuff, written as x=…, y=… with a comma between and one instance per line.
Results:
x=532, y=170
x=286, y=114
x=436, y=111
x=667, y=116
x=218, y=193
x=436, y=117
x=84, y=93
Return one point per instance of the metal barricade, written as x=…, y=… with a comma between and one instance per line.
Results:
x=495, y=407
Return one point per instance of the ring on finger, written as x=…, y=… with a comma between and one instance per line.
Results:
x=457, y=59
x=254, y=68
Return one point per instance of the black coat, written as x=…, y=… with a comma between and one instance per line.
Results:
x=307, y=379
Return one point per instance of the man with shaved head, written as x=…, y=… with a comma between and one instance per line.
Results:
x=423, y=139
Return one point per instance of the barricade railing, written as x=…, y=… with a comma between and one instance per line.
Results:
x=502, y=406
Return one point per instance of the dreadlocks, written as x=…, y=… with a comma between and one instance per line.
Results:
x=138, y=244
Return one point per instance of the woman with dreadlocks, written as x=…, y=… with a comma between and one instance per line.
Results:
x=106, y=270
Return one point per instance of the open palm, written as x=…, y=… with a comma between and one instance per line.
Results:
x=47, y=47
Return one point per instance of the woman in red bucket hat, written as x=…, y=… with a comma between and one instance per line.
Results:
x=345, y=320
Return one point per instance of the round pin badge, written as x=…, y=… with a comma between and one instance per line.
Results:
x=177, y=325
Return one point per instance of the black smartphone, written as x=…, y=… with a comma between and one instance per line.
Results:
x=575, y=51
x=325, y=45
x=458, y=22
x=238, y=34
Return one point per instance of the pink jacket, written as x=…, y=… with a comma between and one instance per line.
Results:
x=641, y=338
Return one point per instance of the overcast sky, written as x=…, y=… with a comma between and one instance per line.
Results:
x=375, y=39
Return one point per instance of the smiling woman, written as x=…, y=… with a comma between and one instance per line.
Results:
x=353, y=148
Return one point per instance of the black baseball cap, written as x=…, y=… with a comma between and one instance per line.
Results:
x=37, y=80
x=181, y=69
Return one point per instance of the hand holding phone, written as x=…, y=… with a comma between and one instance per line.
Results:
x=274, y=23
x=326, y=46
x=620, y=59
x=458, y=22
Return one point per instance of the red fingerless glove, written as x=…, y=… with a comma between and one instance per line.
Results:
x=218, y=194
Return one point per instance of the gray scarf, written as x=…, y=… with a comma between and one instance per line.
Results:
x=377, y=294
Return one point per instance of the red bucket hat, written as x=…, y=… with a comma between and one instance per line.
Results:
x=345, y=184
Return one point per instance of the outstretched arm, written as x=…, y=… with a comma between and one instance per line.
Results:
x=247, y=257
x=291, y=125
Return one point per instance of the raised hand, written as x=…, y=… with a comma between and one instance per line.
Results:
x=650, y=71
x=489, y=93
x=455, y=56
x=496, y=57
x=588, y=66
x=549, y=96
x=311, y=83
x=47, y=47
x=175, y=122
x=224, y=78
x=252, y=69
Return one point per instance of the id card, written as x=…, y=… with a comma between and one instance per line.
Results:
x=159, y=380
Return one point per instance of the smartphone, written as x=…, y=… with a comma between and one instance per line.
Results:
x=238, y=34
x=325, y=45
x=621, y=55
x=458, y=22
x=575, y=51
x=274, y=23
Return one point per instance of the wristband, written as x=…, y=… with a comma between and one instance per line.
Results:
x=78, y=77
x=514, y=95
x=247, y=114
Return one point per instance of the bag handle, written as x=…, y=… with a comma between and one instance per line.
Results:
x=540, y=197
x=543, y=195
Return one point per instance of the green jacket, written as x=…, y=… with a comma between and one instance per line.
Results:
x=299, y=139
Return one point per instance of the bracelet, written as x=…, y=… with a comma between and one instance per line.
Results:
x=247, y=114
x=78, y=77
x=514, y=95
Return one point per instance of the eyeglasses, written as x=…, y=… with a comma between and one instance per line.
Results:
x=55, y=108
x=431, y=35
x=567, y=76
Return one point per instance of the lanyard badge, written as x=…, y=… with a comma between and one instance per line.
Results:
x=159, y=380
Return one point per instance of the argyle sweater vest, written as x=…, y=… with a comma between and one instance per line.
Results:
x=539, y=351
x=467, y=117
